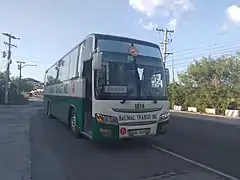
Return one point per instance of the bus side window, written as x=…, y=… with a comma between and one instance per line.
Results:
x=87, y=49
x=80, y=61
x=86, y=69
x=83, y=74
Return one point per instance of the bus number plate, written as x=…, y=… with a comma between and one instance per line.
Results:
x=139, y=132
x=139, y=106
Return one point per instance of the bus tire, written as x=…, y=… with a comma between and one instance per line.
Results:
x=73, y=122
x=49, y=113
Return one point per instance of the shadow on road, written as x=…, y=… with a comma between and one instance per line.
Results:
x=118, y=146
x=102, y=146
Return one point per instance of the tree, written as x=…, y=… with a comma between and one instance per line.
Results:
x=27, y=84
x=209, y=83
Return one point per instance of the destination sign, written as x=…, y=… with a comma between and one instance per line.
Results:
x=115, y=89
x=138, y=117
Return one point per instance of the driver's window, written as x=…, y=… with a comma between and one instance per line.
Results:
x=102, y=76
x=101, y=79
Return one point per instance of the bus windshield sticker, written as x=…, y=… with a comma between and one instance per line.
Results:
x=115, y=89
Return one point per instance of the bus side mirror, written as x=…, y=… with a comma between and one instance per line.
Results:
x=97, y=61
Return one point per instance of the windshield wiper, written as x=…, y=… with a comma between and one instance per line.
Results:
x=125, y=97
x=150, y=95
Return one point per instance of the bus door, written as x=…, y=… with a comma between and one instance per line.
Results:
x=87, y=72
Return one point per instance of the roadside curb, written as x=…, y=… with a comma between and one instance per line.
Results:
x=207, y=115
x=204, y=117
x=14, y=106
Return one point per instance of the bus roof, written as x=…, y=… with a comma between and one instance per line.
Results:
x=123, y=38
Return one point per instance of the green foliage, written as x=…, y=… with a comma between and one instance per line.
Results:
x=26, y=86
x=14, y=96
x=1, y=75
x=208, y=83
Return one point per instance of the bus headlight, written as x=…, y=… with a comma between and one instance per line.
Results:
x=106, y=119
x=164, y=116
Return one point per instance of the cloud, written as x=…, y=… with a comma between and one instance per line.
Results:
x=150, y=26
x=225, y=27
x=172, y=23
x=233, y=14
x=171, y=9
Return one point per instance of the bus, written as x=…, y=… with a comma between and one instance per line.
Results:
x=108, y=88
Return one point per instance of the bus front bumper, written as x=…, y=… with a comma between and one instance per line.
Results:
x=114, y=132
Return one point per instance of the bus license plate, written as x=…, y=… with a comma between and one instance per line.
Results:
x=139, y=132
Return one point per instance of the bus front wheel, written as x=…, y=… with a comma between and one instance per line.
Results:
x=73, y=123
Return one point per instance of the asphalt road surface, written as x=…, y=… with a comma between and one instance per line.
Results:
x=213, y=144
x=15, y=151
x=56, y=154
x=33, y=146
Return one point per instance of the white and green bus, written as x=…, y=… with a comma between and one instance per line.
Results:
x=108, y=88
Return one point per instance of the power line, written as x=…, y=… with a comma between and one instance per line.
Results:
x=10, y=45
x=180, y=59
x=198, y=49
x=182, y=63
x=223, y=49
x=222, y=46
x=226, y=32
x=204, y=46
x=41, y=62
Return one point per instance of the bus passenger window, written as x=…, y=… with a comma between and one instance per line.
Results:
x=87, y=49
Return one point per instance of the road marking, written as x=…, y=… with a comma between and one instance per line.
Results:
x=195, y=163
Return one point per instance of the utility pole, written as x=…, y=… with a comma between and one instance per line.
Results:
x=173, y=74
x=165, y=42
x=22, y=64
x=10, y=45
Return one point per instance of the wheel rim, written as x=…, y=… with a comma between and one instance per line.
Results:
x=73, y=122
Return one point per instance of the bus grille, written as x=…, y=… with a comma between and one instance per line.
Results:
x=137, y=123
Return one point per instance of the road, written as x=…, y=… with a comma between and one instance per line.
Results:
x=15, y=152
x=46, y=149
x=213, y=144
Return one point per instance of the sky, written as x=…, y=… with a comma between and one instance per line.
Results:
x=50, y=28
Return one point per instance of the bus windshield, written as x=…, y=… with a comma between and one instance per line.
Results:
x=123, y=77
